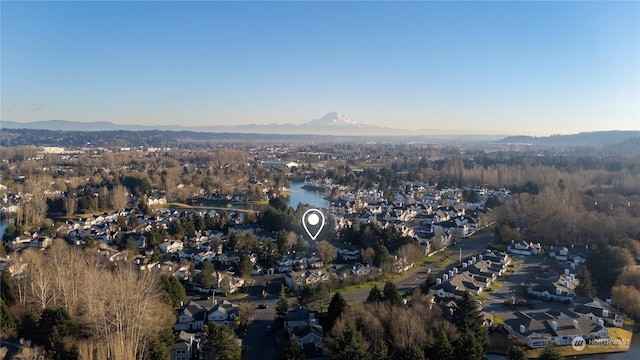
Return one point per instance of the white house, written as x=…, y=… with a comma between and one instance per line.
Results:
x=523, y=247
x=223, y=313
x=170, y=246
x=540, y=329
x=596, y=309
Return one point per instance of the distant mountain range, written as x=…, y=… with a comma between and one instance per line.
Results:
x=333, y=123
x=590, y=139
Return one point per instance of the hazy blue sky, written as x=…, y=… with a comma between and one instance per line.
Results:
x=507, y=67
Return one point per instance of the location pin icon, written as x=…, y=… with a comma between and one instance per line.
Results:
x=311, y=219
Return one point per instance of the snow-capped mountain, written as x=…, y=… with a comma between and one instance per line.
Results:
x=333, y=118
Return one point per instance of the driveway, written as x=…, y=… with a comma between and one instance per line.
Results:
x=495, y=302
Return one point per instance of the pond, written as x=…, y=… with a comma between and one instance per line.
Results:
x=299, y=195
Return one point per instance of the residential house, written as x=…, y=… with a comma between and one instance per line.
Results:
x=170, y=246
x=558, y=288
x=596, y=309
x=401, y=264
x=541, y=329
x=311, y=334
x=227, y=283
x=41, y=242
x=300, y=317
x=284, y=265
x=191, y=317
x=185, y=346
x=523, y=247
x=456, y=286
x=350, y=253
x=560, y=254
x=294, y=280
x=471, y=276
x=224, y=313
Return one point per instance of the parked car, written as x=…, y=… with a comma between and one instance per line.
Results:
x=263, y=306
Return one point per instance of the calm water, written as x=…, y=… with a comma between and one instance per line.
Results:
x=3, y=225
x=303, y=196
x=297, y=196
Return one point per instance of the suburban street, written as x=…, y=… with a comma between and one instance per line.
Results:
x=414, y=278
x=261, y=345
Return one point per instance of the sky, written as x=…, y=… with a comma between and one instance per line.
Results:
x=505, y=67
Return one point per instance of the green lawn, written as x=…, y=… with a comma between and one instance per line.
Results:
x=369, y=284
x=500, y=344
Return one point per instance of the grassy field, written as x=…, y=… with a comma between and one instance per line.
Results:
x=620, y=342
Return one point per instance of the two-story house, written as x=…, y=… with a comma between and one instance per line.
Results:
x=300, y=317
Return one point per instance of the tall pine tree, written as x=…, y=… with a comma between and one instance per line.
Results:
x=282, y=308
x=391, y=293
x=336, y=307
x=375, y=295
x=585, y=286
x=219, y=343
x=469, y=320
x=348, y=345
x=292, y=351
x=442, y=348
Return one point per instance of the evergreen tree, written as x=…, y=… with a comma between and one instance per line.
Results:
x=219, y=343
x=391, y=293
x=245, y=265
x=380, y=349
x=585, y=286
x=293, y=351
x=468, y=319
x=206, y=275
x=516, y=353
x=348, y=345
x=7, y=288
x=468, y=346
x=336, y=307
x=306, y=296
x=176, y=229
x=374, y=295
x=413, y=352
x=174, y=292
x=442, y=348
x=7, y=320
x=550, y=353
x=57, y=332
x=381, y=256
x=28, y=327
x=282, y=307
x=89, y=242
x=160, y=348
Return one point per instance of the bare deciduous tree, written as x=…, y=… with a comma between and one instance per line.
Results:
x=326, y=251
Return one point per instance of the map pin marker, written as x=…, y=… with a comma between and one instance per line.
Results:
x=313, y=217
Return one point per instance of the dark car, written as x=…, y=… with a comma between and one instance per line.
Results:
x=263, y=306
